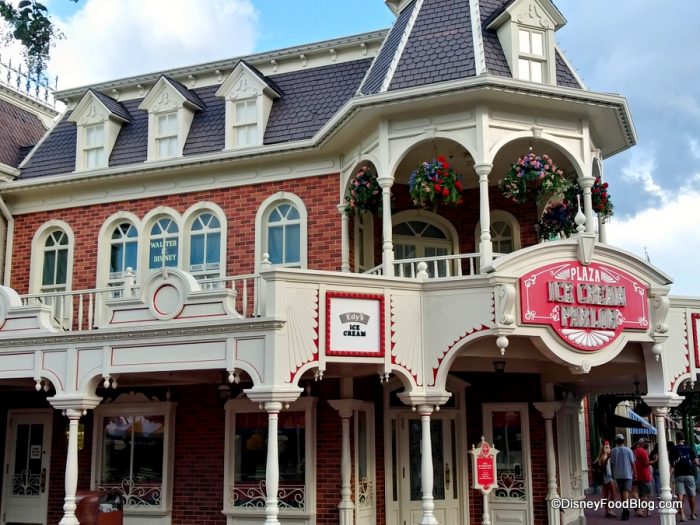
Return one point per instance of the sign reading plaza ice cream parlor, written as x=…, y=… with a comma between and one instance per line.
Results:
x=355, y=324
x=587, y=306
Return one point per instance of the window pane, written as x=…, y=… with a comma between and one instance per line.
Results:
x=197, y=250
x=148, y=449
x=524, y=39
x=130, y=255
x=537, y=44
x=61, y=266
x=292, y=244
x=48, y=273
x=167, y=124
x=116, y=451
x=274, y=244
x=523, y=69
x=213, y=248
x=171, y=252
x=116, y=258
x=536, y=71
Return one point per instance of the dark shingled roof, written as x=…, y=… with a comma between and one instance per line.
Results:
x=18, y=129
x=310, y=98
x=189, y=95
x=112, y=105
x=565, y=76
x=440, y=47
x=496, y=63
x=381, y=64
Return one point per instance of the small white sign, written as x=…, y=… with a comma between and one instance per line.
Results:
x=355, y=325
x=35, y=452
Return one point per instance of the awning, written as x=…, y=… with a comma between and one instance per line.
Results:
x=646, y=427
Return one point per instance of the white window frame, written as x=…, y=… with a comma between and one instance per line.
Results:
x=136, y=404
x=527, y=58
x=261, y=224
x=245, y=125
x=147, y=223
x=97, y=148
x=189, y=217
x=161, y=136
x=37, y=261
x=307, y=405
x=501, y=216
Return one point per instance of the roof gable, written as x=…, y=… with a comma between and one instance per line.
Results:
x=245, y=82
x=98, y=107
x=168, y=94
x=534, y=13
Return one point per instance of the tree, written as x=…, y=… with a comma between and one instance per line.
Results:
x=31, y=26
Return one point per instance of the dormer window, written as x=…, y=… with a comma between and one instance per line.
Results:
x=526, y=32
x=99, y=119
x=166, y=139
x=246, y=123
x=249, y=100
x=171, y=108
x=95, y=146
x=531, y=57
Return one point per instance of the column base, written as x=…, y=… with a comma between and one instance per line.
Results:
x=428, y=520
x=69, y=520
x=553, y=514
x=347, y=514
x=667, y=516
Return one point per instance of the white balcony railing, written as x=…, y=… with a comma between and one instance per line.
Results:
x=80, y=310
x=458, y=265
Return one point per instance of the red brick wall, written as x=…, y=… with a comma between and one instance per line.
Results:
x=319, y=194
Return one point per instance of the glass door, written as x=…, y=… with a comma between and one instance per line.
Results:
x=506, y=427
x=27, y=457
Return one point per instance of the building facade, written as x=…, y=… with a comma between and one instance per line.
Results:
x=195, y=315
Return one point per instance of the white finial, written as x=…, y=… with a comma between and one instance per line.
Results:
x=580, y=218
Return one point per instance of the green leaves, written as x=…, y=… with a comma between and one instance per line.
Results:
x=32, y=27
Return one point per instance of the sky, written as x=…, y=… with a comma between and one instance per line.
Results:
x=645, y=50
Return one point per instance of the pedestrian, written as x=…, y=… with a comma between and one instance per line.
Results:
x=683, y=462
x=602, y=475
x=654, y=460
x=622, y=463
x=642, y=471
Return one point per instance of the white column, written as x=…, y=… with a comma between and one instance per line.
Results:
x=548, y=409
x=69, y=517
x=426, y=466
x=272, y=477
x=666, y=515
x=387, y=229
x=344, y=239
x=485, y=246
x=602, y=230
x=586, y=184
x=345, y=408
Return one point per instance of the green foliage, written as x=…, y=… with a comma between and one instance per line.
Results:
x=31, y=26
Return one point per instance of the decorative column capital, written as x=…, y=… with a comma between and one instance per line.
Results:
x=77, y=402
x=432, y=398
x=548, y=408
x=385, y=182
x=342, y=210
x=285, y=395
x=345, y=407
x=666, y=400
x=483, y=169
x=586, y=182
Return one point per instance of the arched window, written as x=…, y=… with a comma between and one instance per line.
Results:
x=123, y=252
x=205, y=246
x=423, y=235
x=163, y=244
x=54, y=275
x=505, y=232
x=284, y=235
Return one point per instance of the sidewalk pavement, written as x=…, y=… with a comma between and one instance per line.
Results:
x=597, y=517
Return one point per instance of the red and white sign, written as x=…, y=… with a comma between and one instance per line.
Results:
x=587, y=306
x=354, y=324
x=484, y=467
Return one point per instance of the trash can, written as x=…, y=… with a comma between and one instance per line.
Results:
x=99, y=507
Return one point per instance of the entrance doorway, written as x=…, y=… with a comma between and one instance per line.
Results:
x=27, y=458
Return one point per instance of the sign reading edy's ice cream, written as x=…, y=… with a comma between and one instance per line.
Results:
x=587, y=306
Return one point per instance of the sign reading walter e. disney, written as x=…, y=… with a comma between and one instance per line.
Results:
x=587, y=306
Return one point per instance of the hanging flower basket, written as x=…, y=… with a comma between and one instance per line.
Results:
x=533, y=178
x=557, y=221
x=434, y=183
x=600, y=198
x=365, y=194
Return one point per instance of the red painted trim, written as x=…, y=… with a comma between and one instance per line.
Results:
x=352, y=295
x=693, y=320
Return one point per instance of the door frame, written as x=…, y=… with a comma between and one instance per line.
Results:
x=460, y=474
x=47, y=415
x=524, y=408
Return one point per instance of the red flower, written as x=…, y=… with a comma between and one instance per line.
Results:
x=458, y=185
x=445, y=192
x=441, y=159
x=438, y=188
x=605, y=185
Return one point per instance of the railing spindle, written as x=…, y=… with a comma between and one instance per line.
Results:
x=80, y=312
